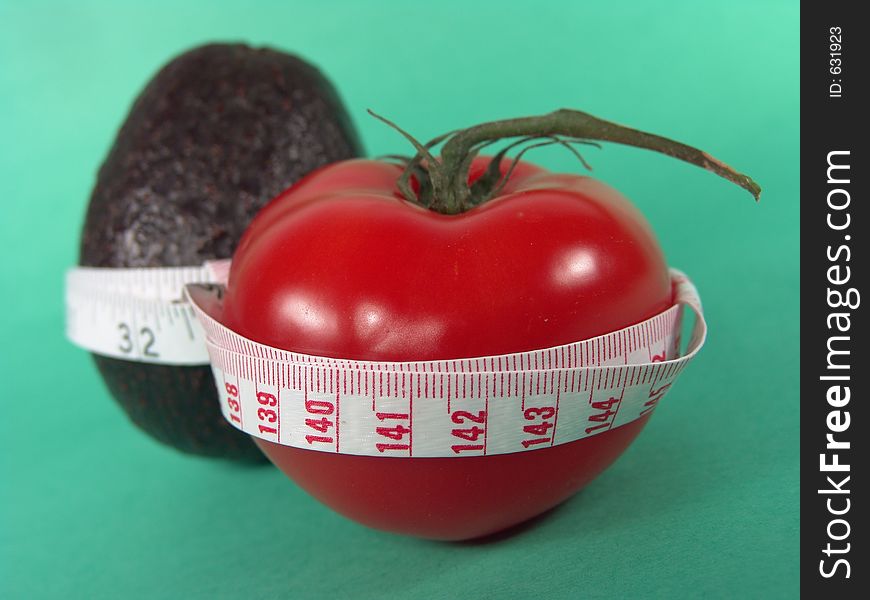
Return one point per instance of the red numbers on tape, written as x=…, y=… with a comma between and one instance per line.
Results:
x=543, y=418
x=474, y=433
x=233, y=403
x=396, y=427
x=655, y=394
x=603, y=419
x=321, y=421
x=267, y=414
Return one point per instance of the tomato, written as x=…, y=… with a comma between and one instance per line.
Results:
x=343, y=265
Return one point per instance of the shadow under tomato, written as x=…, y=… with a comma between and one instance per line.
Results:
x=511, y=532
x=671, y=474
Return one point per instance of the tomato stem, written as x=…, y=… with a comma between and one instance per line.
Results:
x=448, y=173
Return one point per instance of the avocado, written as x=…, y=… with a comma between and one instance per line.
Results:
x=217, y=133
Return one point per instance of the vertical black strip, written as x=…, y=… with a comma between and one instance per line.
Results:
x=834, y=173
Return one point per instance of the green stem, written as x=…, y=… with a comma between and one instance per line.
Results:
x=449, y=175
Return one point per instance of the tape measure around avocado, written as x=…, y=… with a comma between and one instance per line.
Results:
x=138, y=314
x=454, y=408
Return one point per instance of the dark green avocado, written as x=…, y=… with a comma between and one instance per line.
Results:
x=216, y=134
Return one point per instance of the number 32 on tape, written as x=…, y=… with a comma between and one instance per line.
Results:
x=138, y=314
x=468, y=407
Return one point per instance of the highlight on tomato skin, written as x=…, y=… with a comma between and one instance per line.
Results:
x=370, y=277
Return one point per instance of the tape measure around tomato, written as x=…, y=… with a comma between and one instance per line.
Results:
x=469, y=407
x=138, y=314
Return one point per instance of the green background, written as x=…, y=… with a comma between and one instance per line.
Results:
x=704, y=504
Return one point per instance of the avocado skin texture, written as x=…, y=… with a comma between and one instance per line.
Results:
x=216, y=134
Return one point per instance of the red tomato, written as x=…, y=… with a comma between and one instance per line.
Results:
x=342, y=266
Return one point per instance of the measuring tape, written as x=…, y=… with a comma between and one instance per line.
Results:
x=138, y=314
x=466, y=407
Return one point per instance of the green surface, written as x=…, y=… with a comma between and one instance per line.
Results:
x=704, y=504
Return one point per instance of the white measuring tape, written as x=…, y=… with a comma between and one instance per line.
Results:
x=468, y=407
x=138, y=314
